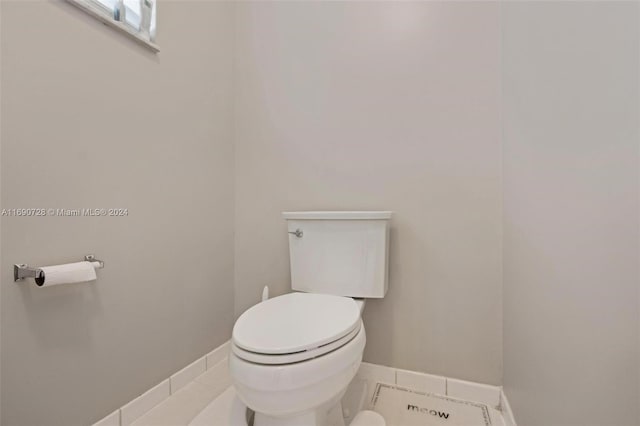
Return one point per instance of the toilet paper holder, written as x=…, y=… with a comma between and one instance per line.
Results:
x=22, y=270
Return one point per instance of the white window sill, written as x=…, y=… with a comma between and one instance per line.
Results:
x=107, y=20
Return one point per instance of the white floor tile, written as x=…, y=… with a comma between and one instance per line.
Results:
x=188, y=374
x=497, y=419
x=226, y=410
x=470, y=391
x=377, y=372
x=145, y=402
x=180, y=408
x=421, y=382
x=372, y=374
x=216, y=378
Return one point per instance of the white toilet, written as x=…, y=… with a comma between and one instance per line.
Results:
x=293, y=356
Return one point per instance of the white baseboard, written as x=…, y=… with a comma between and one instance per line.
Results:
x=140, y=405
x=505, y=407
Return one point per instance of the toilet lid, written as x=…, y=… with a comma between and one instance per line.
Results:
x=295, y=322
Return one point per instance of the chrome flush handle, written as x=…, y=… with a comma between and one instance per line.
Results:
x=297, y=233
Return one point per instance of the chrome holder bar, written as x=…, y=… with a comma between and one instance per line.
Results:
x=92, y=258
x=22, y=270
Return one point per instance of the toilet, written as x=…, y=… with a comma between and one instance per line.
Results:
x=293, y=356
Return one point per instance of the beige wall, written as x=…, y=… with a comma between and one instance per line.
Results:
x=571, y=212
x=384, y=105
x=90, y=119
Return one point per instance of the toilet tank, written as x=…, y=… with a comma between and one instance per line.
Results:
x=340, y=253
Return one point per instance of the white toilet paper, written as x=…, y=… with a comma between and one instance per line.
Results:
x=77, y=272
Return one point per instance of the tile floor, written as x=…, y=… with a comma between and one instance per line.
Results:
x=193, y=403
x=183, y=406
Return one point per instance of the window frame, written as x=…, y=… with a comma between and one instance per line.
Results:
x=104, y=15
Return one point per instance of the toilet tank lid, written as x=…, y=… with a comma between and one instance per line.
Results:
x=338, y=215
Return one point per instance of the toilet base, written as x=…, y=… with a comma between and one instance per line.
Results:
x=229, y=410
x=308, y=419
x=329, y=414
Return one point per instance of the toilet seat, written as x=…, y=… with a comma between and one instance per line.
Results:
x=296, y=356
x=295, y=327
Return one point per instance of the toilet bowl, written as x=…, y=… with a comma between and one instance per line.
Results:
x=294, y=356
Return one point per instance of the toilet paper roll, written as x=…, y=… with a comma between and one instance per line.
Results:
x=77, y=272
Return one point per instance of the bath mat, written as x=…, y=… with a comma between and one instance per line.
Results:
x=405, y=407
